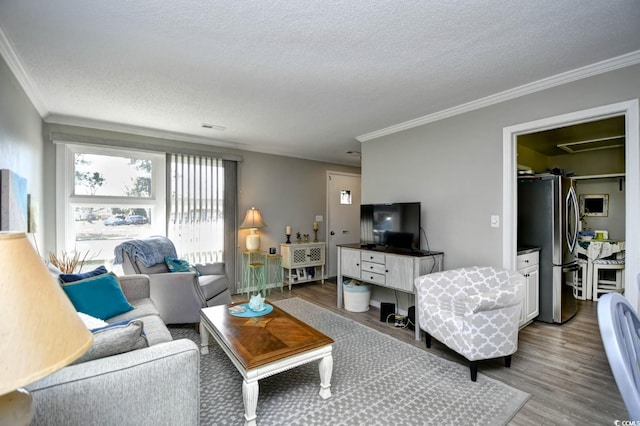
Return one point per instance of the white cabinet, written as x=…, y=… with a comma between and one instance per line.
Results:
x=386, y=269
x=528, y=266
x=303, y=262
x=350, y=261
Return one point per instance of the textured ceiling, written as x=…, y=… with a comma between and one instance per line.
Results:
x=300, y=78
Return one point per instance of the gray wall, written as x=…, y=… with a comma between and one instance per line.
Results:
x=454, y=166
x=288, y=191
x=21, y=147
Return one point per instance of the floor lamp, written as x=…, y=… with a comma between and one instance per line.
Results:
x=40, y=329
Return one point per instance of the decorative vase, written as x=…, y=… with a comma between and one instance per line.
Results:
x=256, y=303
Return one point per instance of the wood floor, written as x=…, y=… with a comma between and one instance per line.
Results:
x=564, y=367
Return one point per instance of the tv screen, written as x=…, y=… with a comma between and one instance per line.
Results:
x=395, y=225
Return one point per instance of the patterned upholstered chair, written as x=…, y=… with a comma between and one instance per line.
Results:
x=475, y=311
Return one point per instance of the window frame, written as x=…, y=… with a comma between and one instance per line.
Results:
x=67, y=199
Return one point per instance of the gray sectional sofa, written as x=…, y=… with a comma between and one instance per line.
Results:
x=153, y=385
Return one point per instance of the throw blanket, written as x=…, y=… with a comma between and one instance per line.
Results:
x=149, y=251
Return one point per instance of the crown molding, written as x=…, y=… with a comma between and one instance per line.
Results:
x=139, y=131
x=10, y=57
x=612, y=64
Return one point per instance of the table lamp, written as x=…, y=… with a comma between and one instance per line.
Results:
x=40, y=331
x=253, y=221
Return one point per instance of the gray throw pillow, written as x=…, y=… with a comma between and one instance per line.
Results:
x=115, y=339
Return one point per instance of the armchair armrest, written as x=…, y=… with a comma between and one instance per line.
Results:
x=216, y=268
x=490, y=300
x=177, y=296
x=135, y=286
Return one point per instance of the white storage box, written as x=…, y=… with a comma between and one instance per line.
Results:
x=356, y=297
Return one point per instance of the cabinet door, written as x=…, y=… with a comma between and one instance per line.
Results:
x=533, y=293
x=315, y=255
x=350, y=263
x=299, y=257
x=399, y=271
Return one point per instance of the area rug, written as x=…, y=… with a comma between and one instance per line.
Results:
x=377, y=380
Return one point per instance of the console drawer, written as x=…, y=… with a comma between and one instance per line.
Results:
x=369, y=256
x=372, y=277
x=378, y=268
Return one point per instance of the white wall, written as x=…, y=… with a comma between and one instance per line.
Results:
x=21, y=148
x=453, y=166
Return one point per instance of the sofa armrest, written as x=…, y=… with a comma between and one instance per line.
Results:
x=135, y=286
x=154, y=385
x=216, y=268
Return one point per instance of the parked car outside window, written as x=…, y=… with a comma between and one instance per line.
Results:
x=114, y=221
x=136, y=220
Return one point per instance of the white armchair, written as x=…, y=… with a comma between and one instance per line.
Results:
x=475, y=311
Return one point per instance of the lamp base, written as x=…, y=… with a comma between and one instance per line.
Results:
x=16, y=408
x=253, y=241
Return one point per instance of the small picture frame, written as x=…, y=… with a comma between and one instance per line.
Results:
x=301, y=273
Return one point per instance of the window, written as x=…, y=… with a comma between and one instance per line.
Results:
x=109, y=195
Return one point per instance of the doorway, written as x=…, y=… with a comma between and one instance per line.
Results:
x=343, y=214
x=628, y=109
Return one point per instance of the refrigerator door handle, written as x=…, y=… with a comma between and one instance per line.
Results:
x=572, y=235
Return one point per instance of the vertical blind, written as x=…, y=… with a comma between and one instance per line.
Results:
x=196, y=207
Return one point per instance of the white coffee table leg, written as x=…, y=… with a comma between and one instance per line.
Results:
x=326, y=369
x=204, y=339
x=250, y=396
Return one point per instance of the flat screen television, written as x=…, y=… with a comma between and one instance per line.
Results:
x=393, y=225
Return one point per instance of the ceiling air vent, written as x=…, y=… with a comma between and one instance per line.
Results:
x=593, y=144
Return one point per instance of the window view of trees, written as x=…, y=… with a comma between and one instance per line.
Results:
x=112, y=200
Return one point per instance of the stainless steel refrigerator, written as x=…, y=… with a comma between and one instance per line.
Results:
x=548, y=219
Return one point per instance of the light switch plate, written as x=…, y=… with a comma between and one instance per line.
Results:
x=495, y=221
x=319, y=218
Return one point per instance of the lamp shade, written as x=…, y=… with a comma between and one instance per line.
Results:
x=40, y=331
x=253, y=219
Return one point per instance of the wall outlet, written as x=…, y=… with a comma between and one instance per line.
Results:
x=319, y=218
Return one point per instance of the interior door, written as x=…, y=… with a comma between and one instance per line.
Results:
x=343, y=214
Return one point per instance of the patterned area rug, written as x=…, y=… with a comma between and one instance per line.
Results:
x=369, y=385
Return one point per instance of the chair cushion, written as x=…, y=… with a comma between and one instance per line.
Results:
x=69, y=278
x=212, y=285
x=100, y=296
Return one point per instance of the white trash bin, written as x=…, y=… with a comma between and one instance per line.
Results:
x=356, y=297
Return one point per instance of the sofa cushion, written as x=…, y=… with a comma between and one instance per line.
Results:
x=156, y=330
x=212, y=285
x=141, y=308
x=68, y=278
x=100, y=296
x=115, y=339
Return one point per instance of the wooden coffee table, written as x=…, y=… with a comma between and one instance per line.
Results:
x=262, y=346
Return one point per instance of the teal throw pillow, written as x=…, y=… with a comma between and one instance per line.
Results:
x=68, y=278
x=180, y=265
x=100, y=296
